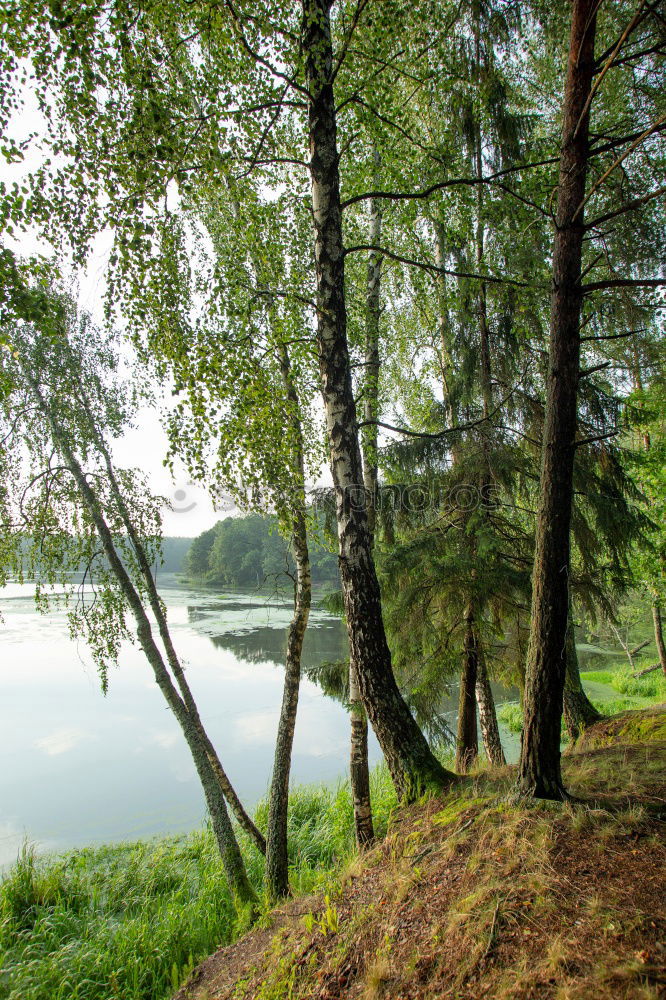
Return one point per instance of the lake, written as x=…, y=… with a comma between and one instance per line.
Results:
x=79, y=768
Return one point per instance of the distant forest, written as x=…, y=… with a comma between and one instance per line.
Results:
x=248, y=551
x=174, y=551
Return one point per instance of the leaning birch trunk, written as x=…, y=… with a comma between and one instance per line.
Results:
x=659, y=634
x=579, y=712
x=490, y=733
x=242, y=817
x=467, y=742
x=230, y=853
x=277, y=856
x=411, y=762
x=359, y=769
x=539, y=770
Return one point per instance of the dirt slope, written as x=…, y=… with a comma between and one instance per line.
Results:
x=473, y=895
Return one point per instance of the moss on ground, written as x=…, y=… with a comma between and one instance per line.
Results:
x=643, y=726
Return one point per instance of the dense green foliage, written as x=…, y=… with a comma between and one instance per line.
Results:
x=249, y=551
x=256, y=168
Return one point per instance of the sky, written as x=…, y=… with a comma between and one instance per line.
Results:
x=188, y=510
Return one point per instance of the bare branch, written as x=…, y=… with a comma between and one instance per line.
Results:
x=290, y=81
x=442, y=185
x=597, y=437
x=644, y=135
x=596, y=286
x=629, y=207
x=609, y=62
x=614, y=336
x=434, y=269
x=360, y=7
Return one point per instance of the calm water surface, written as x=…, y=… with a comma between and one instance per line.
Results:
x=79, y=768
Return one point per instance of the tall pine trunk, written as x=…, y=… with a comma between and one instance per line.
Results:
x=484, y=696
x=412, y=764
x=444, y=328
x=659, y=634
x=539, y=771
x=277, y=856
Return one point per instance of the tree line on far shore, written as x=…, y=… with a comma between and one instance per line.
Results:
x=249, y=551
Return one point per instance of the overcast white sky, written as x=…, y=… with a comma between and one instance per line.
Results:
x=145, y=446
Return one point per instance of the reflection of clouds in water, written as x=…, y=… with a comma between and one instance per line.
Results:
x=319, y=735
x=12, y=839
x=56, y=717
x=166, y=738
x=318, y=730
x=183, y=770
x=61, y=740
x=258, y=728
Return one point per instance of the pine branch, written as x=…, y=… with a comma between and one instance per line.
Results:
x=609, y=62
x=629, y=207
x=597, y=437
x=613, y=336
x=616, y=163
x=620, y=140
x=585, y=372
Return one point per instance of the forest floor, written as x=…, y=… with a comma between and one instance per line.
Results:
x=477, y=895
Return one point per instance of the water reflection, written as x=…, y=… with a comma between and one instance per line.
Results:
x=79, y=768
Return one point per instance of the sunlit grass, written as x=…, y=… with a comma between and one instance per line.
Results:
x=651, y=687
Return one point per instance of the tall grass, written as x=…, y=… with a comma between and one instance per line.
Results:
x=129, y=921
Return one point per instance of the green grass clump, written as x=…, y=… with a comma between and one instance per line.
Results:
x=613, y=706
x=510, y=714
x=130, y=921
x=124, y=921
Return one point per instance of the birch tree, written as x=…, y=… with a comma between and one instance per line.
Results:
x=72, y=509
